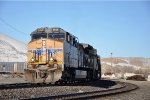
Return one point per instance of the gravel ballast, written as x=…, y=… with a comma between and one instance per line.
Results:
x=35, y=92
x=143, y=93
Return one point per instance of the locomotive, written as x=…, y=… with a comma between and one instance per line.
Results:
x=56, y=55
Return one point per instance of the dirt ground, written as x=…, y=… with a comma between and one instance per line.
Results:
x=143, y=93
x=11, y=78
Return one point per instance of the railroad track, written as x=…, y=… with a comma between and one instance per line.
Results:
x=22, y=85
x=33, y=85
x=124, y=87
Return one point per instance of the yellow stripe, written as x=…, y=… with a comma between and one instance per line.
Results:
x=60, y=63
x=35, y=63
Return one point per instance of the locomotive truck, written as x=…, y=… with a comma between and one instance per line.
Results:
x=56, y=55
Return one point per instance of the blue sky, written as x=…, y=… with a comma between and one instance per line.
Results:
x=121, y=27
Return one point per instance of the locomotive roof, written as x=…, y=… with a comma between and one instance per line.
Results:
x=50, y=30
x=89, y=49
x=86, y=46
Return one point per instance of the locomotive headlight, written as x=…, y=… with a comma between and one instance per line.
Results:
x=51, y=59
x=32, y=59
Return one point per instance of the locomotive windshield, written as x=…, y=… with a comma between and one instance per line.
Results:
x=56, y=35
x=38, y=36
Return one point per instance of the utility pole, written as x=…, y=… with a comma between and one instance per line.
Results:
x=111, y=62
x=111, y=58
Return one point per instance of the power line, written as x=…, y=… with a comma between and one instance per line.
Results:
x=12, y=27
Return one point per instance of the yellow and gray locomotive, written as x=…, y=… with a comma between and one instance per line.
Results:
x=56, y=55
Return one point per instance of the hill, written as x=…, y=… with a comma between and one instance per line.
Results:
x=12, y=50
x=137, y=65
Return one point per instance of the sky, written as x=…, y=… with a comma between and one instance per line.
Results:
x=118, y=27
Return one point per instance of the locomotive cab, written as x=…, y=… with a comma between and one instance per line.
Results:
x=45, y=55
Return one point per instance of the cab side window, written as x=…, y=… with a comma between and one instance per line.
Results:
x=74, y=42
x=71, y=40
x=67, y=37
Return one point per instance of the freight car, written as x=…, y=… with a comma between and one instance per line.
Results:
x=56, y=55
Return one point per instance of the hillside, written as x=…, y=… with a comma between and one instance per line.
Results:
x=12, y=50
x=131, y=61
x=123, y=65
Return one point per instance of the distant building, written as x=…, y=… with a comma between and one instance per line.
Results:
x=13, y=54
x=148, y=79
x=110, y=76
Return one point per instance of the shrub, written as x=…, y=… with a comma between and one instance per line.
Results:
x=136, y=78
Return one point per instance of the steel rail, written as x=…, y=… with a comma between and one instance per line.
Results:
x=32, y=85
x=126, y=87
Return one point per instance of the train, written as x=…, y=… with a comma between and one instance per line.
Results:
x=55, y=55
